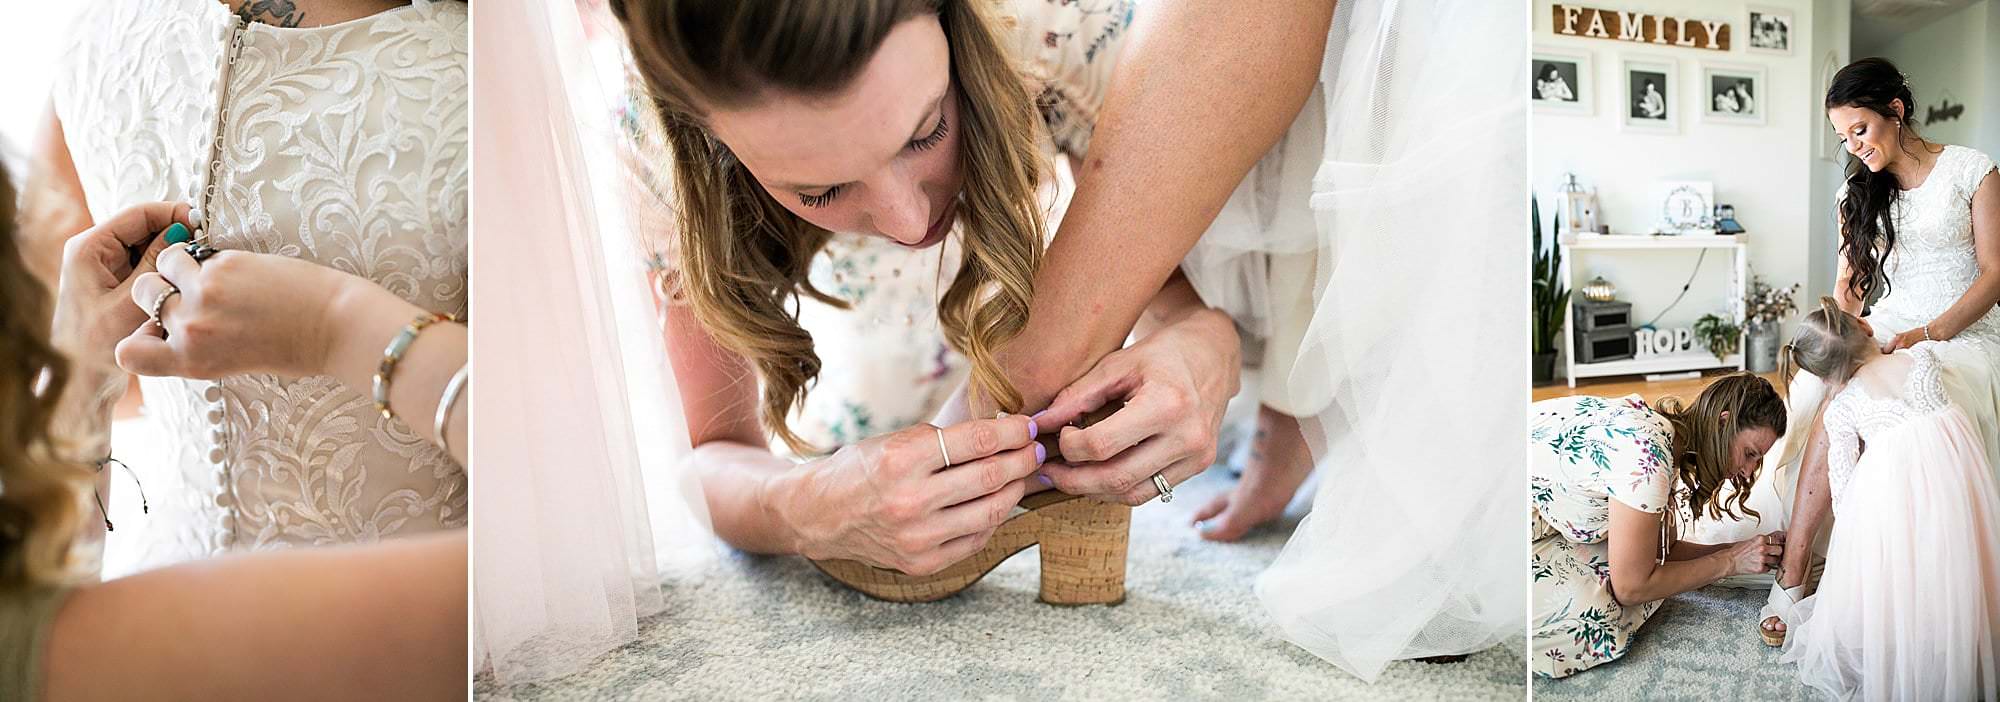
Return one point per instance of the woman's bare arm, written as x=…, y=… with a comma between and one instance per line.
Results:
x=1191, y=108
x=719, y=400
x=52, y=202
x=378, y=622
x=1636, y=578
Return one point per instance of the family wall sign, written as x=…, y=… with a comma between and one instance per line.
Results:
x=1641, y=27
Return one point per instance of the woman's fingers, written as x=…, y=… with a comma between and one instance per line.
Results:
x=1147, y=415
x=976, y=439
x=147, y=288
x=178, y=265
x=970, y=481
x=974, y=516
x=137, y=224
x=1116, y=476
x=950, y=552
x=1174, y=474
x=146, y=352
x=1107, y=380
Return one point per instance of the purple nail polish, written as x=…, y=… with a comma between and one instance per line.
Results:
x=1034, y=429
x=1046, y=482
x=1041, y=456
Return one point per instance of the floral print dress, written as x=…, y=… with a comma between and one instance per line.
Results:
x=1587, y=452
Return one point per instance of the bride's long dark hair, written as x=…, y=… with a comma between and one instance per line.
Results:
x=1867, y=231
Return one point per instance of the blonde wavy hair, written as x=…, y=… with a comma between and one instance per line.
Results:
x=743, y=258
x=1705, y=431
x=1829, y=343
x=41, y=498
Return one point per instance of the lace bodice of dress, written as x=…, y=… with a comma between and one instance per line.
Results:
x=1933, y=262
x=1856, y=416
x=345, y=145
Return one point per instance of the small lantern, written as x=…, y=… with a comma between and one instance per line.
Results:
x=1600, y=290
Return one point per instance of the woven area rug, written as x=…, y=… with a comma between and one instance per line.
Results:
x=1701, y=645
x=767, y=628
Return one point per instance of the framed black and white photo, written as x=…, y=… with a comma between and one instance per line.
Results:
x=1732, y=94
x=1652, y=95
x=1560, y=82
x=1770, y=30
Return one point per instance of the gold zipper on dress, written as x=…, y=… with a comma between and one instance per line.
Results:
x=231, y=51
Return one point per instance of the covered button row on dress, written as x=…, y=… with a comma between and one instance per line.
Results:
x=225, y=498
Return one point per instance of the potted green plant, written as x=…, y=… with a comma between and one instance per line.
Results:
x=1763, y=309
x=1721, y=336
x=1550, y=299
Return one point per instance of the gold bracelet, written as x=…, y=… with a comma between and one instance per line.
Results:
x=394, y=354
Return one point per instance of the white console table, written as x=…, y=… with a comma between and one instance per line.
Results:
x=1699, y=359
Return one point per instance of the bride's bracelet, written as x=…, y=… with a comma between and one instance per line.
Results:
x=394, y=355
x=1927, y=332
x=144, y=506
x=445, y=403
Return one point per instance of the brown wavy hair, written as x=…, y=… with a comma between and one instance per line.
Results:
x=41, y=498
x=743, y=258
x=1867, y=228
x=1703, y=434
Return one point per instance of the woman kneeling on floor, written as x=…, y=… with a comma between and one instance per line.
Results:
x=1611, y=482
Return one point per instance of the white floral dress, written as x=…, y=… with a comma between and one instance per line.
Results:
x=1587, y=452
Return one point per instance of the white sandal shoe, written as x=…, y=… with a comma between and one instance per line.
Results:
x=1779, y=605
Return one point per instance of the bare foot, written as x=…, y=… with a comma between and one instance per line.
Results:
x=1279, y=463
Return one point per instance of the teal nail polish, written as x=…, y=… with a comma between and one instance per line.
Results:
x=178, y=234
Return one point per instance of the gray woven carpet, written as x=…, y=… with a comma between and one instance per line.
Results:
x=1701, y=645
x=1190, y=628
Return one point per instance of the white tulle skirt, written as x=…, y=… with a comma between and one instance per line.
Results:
x=1909, y=606
x=1971, y=377
x=1363, y=253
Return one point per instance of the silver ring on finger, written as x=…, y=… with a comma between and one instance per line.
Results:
x=941, y=448
x=153, y=310
x=1166, y=491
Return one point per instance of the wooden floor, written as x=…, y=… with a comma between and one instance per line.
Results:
x=1626, y=385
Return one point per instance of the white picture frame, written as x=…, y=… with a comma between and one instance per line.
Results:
x=1769, y=30
x=1573, y=72
x=1733, y=94
x=1650, y=87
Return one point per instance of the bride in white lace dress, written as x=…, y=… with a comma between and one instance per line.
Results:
x=1909, y=606
x=333, y=132
x=1920, y=225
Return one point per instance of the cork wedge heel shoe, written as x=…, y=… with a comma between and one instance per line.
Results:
x=1082, y=548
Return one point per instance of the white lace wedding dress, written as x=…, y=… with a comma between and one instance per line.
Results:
x=344, y=145
x=1932, y=266
x=1909, y=607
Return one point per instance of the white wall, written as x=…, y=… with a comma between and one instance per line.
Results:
x=1954, y=55
x=1765, y=171
x=31, y=42
x=1831, y=32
